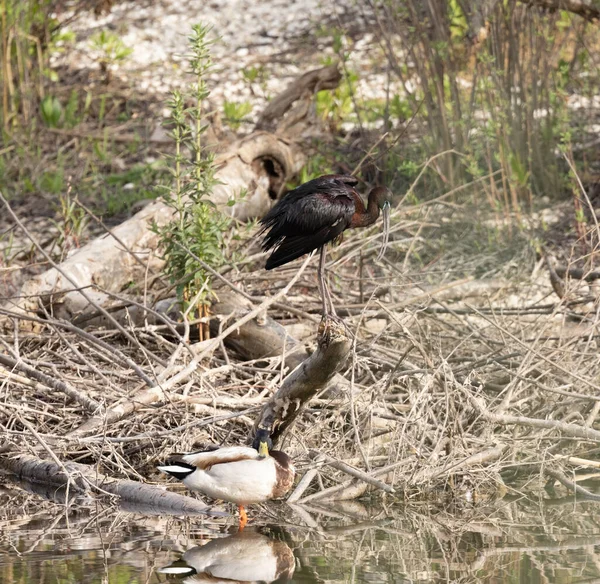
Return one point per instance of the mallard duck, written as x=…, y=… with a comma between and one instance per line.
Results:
x=243, y=557
x=238, y=474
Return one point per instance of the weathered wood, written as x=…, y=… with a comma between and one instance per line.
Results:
x=584, y=8
x=49, y=473
x=577, y=274
x=302, y=88
x=259, y=338
x=258, y=165
x=313, y=374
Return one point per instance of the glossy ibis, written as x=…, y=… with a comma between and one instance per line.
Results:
x=238, y=474
x=318, y=212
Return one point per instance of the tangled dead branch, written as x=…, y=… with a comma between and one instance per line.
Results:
x=463, y=374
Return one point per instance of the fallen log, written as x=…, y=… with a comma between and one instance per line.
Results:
x=46, y=472
x=577, y=274
x=258, y=165
x=305, y=88
x=584, y=8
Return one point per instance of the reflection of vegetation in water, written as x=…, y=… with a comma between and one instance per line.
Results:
x=524, y=540
x=68, y=571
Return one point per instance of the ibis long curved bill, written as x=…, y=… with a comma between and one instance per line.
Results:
x=385, y=209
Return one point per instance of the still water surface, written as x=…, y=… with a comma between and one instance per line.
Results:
x=526, y=539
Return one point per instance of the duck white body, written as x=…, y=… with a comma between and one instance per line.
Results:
x=236, y=474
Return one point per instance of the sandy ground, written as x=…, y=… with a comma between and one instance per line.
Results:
x=282, y=38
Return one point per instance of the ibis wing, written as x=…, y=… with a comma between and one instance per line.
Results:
x=312, y=206
x=327, y=183
x=307, y=218
x=295, y=246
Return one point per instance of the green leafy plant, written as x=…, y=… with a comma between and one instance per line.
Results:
x=26, y=30
x=256, y=75
x=336, y=107
x=235, y=113
x=110, y=49
x=52, y=181
x=54, y=115
x=197, y=226
x=51, y=111
x=7, y=239
x=72, y=223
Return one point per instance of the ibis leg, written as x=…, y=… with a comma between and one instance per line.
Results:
x=328, y=309
x=321, y=280
x=330, y=300
x=243, y=517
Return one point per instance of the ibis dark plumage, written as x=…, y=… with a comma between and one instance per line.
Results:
x=316, y=213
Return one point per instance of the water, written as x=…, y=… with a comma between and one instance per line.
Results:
x=523, y=539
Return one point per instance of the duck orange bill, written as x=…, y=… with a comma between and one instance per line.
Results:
x=386, y=229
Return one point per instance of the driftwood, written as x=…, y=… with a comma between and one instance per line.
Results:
x=258, y=165
x=258, y=338
x=577, y=274
x=584, y=8
x=303, y=88
x=558, y=275
x=83, y=477
x=279, y=413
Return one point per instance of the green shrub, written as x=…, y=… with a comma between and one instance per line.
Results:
x=197, y=226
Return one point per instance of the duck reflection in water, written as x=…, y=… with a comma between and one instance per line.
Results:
x=246, y=556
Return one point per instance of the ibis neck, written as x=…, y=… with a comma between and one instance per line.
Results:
x=368, y=215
